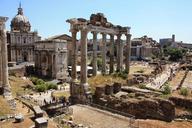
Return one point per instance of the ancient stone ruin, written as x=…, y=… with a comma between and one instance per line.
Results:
x=97, y=24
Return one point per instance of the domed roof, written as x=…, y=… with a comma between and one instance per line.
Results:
x=20, y=18
x=20, y=22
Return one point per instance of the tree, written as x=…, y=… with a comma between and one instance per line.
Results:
x=174, y=53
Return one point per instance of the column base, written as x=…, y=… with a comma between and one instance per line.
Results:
x=7, y=92
x=80, y=93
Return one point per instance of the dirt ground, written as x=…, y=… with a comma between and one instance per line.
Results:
x=27, y=123
x=101, y=119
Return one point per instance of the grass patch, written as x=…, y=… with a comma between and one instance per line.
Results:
x=142, y=86
x=165, y=96
x=18, y=85
x=101, y=80
x=141, y=69
x=61, y=94
x=107, y=79
x=166, y=89
x=184, y=91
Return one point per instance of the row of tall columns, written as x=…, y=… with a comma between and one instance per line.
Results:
x=83, y=76
x=120, y=55
x=4, y=58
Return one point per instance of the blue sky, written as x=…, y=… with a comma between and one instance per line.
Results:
x=155, y=18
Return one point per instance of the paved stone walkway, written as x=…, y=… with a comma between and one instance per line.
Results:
x=163, y=77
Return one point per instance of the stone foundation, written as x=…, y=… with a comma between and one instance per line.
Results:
x=140, y=108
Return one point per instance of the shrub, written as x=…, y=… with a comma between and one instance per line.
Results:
x=40, y=81
x=51, y=86
x=184, y=91
x=41, y=88
x=99, y=62
x=122, y=74
x=34, y=80
x=166, y=89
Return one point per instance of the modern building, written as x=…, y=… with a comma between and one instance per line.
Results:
x=21, y=40
x=175, y=44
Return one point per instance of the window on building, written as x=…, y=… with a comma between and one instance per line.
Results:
x=24, y=40
x=30, y=40
x=18, y=39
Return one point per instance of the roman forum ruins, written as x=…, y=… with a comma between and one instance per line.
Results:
x=4, y=82
x=97, y=24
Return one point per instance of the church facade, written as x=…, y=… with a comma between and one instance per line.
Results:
x=21, y=40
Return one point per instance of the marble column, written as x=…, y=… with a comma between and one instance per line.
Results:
x=104, y=53
x=1, y=79
x=119, y=53
x=111, y=70
x=3, y=42
x=74, y=55
x=94, y=53
x=83, y=77
x=128, y=52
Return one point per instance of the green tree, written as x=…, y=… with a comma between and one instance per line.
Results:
x=174, y=53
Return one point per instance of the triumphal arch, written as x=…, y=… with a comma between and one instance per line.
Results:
x=97, y=24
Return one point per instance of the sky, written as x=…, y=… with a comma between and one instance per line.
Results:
x=154, y=18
